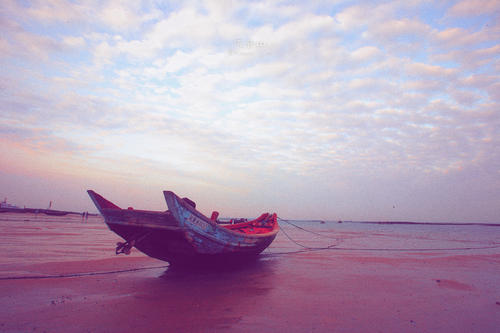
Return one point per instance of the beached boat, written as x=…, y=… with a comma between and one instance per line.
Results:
x=182, y=234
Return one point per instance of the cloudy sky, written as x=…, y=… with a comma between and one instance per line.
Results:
x=373, y=110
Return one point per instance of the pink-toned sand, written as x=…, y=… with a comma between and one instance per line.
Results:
x=316, y=291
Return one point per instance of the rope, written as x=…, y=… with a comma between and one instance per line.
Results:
x=304, y=246
x=78, y=274
x=309, y=231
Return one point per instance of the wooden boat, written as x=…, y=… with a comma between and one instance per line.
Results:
x=184, y=235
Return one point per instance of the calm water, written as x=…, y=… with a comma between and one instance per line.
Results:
x=36, y=238
x=402, y=238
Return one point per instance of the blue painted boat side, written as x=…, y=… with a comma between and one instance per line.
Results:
x=207, y=237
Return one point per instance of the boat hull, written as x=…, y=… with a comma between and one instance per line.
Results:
x=181, y=235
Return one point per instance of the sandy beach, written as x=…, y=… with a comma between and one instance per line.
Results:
x=60, y=274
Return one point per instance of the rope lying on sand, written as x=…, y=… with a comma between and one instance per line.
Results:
x=268, y=254
x=78, y=274
x=335, y=247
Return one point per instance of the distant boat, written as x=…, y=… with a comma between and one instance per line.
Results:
x=184, y=235
x=5, y=204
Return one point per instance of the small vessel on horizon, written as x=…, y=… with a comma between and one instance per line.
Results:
x=5, y=204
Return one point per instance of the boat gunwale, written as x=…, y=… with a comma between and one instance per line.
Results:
x=110, y=218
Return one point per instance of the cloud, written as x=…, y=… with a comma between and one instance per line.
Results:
x=348, y=98
x=74, y=42
x=366, y=54
x=188, y=28
x=392, y=30
x=470, y=59
x=430, y=71
x=19, y=42
x=459, y=37
x=123, y=17
x=56, y=11
x=467, y=8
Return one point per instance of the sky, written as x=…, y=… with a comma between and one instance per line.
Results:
x=336, y=110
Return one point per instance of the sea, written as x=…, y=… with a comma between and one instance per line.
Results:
x=37, y=238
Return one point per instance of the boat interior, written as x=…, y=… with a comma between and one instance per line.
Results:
x=262, y=225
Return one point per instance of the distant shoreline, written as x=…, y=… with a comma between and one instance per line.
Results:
x=62, y=213
x=41, y=210
x=425, y=223
x=403, y=222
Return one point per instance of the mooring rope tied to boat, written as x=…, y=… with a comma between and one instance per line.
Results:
x=335, y=247
x=26, y=277
x=306, y=230
x=309, y=231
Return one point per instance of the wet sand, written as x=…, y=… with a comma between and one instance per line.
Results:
x=81, y=286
